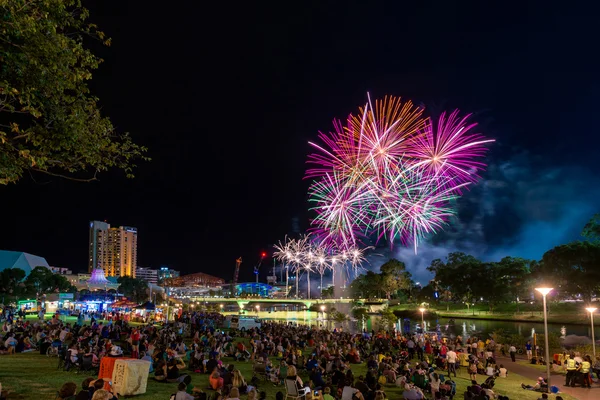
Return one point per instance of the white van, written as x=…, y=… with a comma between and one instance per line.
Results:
x=242, y=322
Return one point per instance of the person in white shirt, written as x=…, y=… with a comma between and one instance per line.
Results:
x=513, y=352
x=348, y=393
x=503, y=371
x=411, y=392
x=183, y=395
x=435, y=383
x=451, y=360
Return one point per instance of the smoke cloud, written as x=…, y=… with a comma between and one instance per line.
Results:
x=520, y=208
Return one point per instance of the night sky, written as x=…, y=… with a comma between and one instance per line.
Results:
x=226, y=98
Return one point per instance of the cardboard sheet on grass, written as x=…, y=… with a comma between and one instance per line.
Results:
x=107, y=365
x=130, y=377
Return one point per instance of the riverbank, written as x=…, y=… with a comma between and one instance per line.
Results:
x=553, y=318
x=558, y=313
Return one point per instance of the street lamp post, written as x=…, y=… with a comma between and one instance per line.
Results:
x=591, y=311
x=257, y=309
x=422, y=319
x=544, y=291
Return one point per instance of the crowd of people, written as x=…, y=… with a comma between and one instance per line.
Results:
x=317, y=363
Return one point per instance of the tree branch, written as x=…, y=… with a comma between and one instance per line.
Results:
x=94, y=178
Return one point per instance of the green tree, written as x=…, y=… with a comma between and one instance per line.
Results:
x=591, y=230
x=49, y=121
x=10, y=281
x=573, y=267
x=361, y=314
x=460, y=274
x=366, y=285
x=42, y=280
x=327, y=293
x=515, y=276
x=394, y=277
x=133, y=288
x=388, y=319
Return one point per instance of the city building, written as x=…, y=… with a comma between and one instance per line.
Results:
x=19, y=259
x=166, y=272
x=61, y=271
x=147, y=274
x=95, y=228
x=198, y=284
x=113, y=249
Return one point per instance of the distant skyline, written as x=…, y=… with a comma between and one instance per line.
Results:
x=226, y=102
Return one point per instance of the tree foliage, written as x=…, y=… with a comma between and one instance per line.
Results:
x=41, y=280
x=388, y=319
x=133, y=288
x=571, y=268
x=591, y=230
x=574, y=267
x=49, y=120
x=392, y=277
x=10, y=282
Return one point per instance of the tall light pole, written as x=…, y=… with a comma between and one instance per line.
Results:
x=591, y=311
x=544, y=291
x=422, y=319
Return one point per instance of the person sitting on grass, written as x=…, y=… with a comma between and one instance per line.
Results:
x=182, y=393
x=67, y=391
x=502, y=371
x=98, y=384
x=173, y=368
x=84, y=394
x=215, y=380
x=540, y=386
x=101, y=394
x=160, y=374
x=411, y=392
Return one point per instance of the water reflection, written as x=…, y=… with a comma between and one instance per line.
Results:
x=447, y=326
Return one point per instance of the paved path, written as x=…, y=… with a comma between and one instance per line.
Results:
x=556, y=379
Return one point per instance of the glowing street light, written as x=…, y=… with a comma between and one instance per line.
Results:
x=544, y=291
x=591, y=311
x=257, y=309
x=422, y=319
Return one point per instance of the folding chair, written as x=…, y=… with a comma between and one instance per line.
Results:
x=291, y=390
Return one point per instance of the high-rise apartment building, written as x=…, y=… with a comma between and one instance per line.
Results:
x=113, y=249
x=95, y=227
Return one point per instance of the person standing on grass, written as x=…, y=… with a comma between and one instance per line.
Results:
x=451, y=360
x=528, y=348
x=513, y=352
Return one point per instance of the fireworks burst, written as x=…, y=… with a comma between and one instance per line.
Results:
x=391, y=173
x=308, y=254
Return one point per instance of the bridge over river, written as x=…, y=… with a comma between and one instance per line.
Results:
x=265, y=303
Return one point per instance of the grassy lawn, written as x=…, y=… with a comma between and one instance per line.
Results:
x=538, y=367
x=33, y=376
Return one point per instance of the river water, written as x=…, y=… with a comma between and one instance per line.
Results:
x=463, y=327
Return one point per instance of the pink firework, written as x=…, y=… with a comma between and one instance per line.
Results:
x=451, y=148
x=389, y=172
